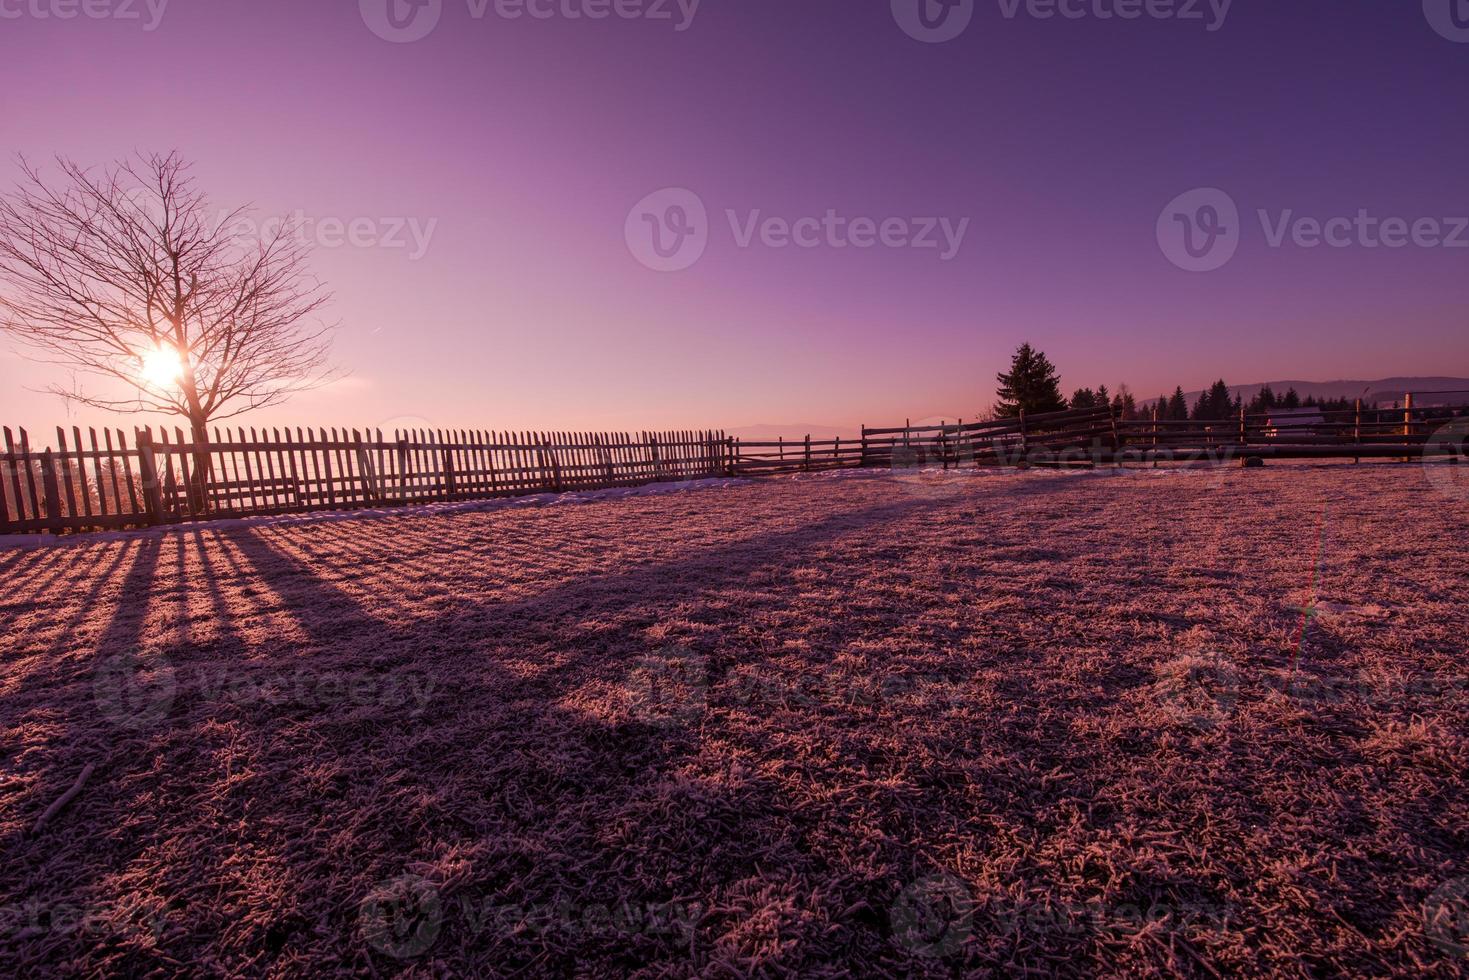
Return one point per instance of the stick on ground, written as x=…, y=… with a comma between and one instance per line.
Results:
x=64, y=798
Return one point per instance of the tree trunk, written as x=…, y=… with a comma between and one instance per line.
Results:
x=199, y=484
x=199, y=429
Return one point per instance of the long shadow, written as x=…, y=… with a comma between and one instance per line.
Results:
x=496, y=735
x=74, y=737
x=510, y=770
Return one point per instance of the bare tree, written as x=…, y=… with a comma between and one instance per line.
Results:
x=124, y=274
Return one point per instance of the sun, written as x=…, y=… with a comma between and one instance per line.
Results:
x=160, y=367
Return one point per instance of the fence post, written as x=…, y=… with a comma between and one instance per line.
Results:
x=1357, y=431
x=603, y=441
x=1024, y=440
x=1112, y=415
x=402, y=468
x=862, y=459
x=369, y=475
x=1408, y=422
x=807, y=465
x=1155, y=437
x=51, y=491
x=447, y=455
x=148, y=470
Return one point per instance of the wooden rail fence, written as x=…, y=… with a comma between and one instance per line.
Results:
x=110, y=482
x=1092, y=436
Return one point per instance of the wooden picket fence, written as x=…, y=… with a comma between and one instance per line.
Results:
x=109, y=483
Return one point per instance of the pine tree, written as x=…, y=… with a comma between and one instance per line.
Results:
x=1031, y=385
x=1220, y=401
x=1084, y=398
x=1201, y=410
x=1291, y=400
x=1178, y=406
x=1125, y=404
x=1214, y=404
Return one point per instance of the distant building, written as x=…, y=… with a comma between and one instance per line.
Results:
x=1293, y=420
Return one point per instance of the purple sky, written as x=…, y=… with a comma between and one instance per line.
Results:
x=523, y=144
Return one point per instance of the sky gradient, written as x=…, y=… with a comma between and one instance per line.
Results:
x=523, y=145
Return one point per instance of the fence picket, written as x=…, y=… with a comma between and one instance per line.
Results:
x=25, y=452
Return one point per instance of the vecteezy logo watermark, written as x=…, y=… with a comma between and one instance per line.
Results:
x=401, y=21
x=135, y=690
x=148, y=12
x=1446, y=917
x=668, y=687
x=933, y=917
x=1446, y=459
x=1200, y=231
x=1450, y=18
x=1200, y=690
x=668, y=231
x=928, y=458
x=933, y=21
x=405, y=21
x=401, y=918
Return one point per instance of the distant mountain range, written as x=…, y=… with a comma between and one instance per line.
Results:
x=1384, y=390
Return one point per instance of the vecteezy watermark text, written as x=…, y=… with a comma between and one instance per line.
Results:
x=934, y=917
x=1201, y=230
x=138, y=689
x=410, y=234
x=832, y=230
x=148, y=12
x=403, y=918
x=36, y=919
x=405, y=21
x=670, y=229
x=1212, y=13
x=936, y=21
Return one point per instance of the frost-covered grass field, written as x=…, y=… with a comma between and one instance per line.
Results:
x=1163, y=722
